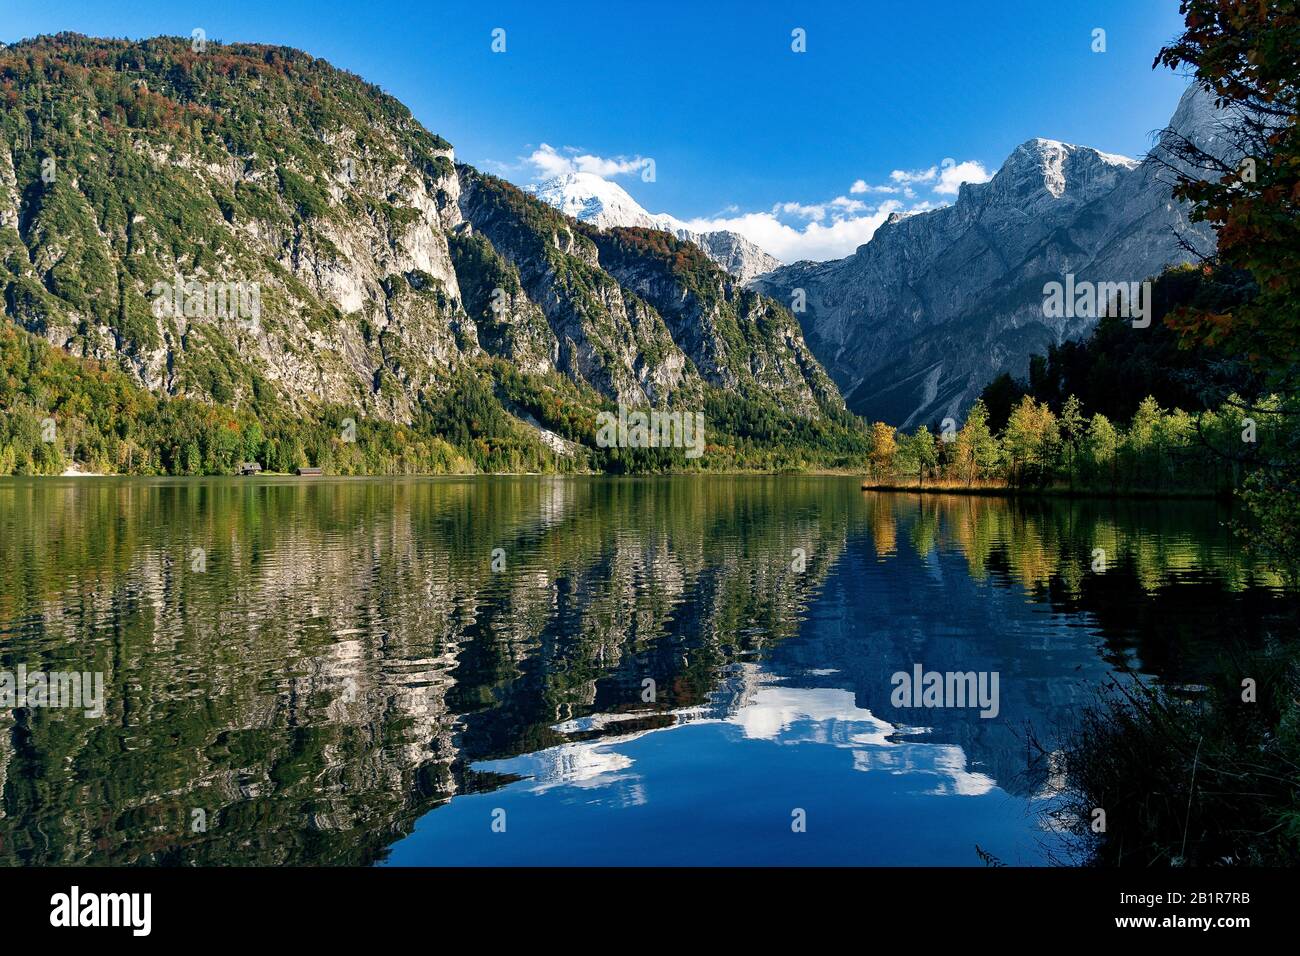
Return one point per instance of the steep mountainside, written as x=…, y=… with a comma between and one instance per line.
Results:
x=247, y=226
x=937, y=304
x=594, y=200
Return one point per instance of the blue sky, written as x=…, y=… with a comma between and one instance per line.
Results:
x=741, y=129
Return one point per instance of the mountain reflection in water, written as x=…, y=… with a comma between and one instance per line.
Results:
x=349, y=681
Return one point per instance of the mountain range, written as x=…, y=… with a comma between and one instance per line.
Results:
x=389, y=279
x=921, y=317
x=142, y=182
x=938, y=303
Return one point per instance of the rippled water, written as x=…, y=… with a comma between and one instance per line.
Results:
x=646, y=671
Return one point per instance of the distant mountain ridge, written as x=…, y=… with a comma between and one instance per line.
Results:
x=590, y=198
x=937, y=304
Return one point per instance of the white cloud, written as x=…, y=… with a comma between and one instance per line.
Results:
x=915, y=175
x=944, y=179
x=793, y=230
x=951, y=178
x=847, y=205
x=816, y=240
x=608, y=167
x=815, y=213
x=861, y=186
x=550, y=162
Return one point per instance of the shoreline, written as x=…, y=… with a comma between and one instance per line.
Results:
x=738, y=473
x=987, y=490
x=1008, y=491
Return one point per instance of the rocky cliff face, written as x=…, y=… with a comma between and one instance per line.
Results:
x=919, y=319
x=739, y=340
x=600, y=335
x=255, y=168
x=141, y=182
x=733, y=252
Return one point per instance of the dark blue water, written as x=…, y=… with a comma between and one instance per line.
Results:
x=809, y=725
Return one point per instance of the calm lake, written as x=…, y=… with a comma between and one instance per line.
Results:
x=573, y=671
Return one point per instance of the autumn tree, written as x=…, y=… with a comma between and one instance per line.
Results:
x=1030, y=440
x=975, y=452
x=1248, y=189
x=1073, y=426
x=1101, y=447
x=920, y=449
x=884, y=448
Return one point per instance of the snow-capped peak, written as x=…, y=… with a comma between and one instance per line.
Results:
x=1059, y=166
x=590, y=198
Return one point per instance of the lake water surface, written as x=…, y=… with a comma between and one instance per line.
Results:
x=573, y=671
